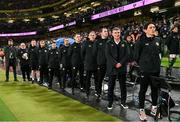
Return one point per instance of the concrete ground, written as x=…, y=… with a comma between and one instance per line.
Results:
x=130, y=114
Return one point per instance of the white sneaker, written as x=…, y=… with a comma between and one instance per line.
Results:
x=154, y=110
x=124, y=106
x=142, y=115
x=45, y=84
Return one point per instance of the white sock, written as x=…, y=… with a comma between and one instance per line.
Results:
x=38, y=79
x=142, y=109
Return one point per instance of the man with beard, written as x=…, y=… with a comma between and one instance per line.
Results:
x=10, y=59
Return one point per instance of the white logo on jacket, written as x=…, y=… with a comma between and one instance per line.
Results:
x=157, y=43
x=147, y=44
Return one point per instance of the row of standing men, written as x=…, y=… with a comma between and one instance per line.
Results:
x=89, y=56
x=96, y=56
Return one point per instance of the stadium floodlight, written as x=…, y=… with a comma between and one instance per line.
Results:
x=162, y=10
x=11, y=21
x=96, y=4
x=55, y=17
x=76, y=12
x=154, y=9
x=41, y=19
x=177, y=3
x=92, y=3
x=26, y=20
x=72, y=1
x=137, y=13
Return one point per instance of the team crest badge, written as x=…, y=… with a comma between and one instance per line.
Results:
x=147, y=44
x=157, y=43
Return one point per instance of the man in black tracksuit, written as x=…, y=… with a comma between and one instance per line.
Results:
x=34, y=60
x=24, y=61
x=43, y=63
x=89, y=61
x=117, y=53
x=76, y=62
x=53, y=63
x=99, y=52
x=147, y=51
x=65, y=64
x=10, y=59
x=130, y=43
x=173, y=44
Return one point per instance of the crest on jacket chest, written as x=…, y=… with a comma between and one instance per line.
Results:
x=122, y=45
x=157, y=43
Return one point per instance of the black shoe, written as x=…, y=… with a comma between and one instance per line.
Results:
x=123, y=105
x=72, y=91
x=24, y=79
x=40, y=83
x=98, y=99
x=7, y=80
x=63, y=90
x=109, y=107
x=33, y=81
x=15, y=80
x=99, y=96
x=87, y=97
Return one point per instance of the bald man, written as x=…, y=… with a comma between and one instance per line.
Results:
x=24, y=61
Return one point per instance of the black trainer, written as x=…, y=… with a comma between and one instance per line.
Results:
x=15, y=79
x=109, y=107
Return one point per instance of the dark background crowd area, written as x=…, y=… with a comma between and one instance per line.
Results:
x=132, y=28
